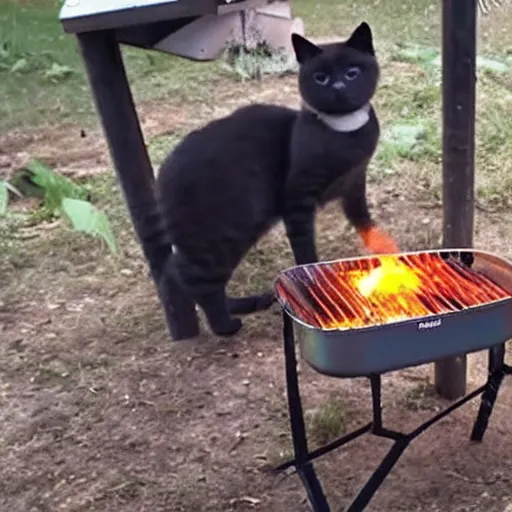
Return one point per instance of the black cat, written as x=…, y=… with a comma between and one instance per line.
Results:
x=225, y=185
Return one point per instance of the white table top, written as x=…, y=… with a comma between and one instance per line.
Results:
x=89, y=15
x=76, y=8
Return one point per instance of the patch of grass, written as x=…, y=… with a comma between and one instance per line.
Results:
x=327, y=422
x=392, y=20
x=417, y=142
x=494, y=146
x=33, y=43
x=48, y=83
x=410, y=95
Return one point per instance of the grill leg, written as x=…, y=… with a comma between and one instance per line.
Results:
x=376, y=385
x=377, y=423
x=372, y=485
x=401, y=442
x=496, y=373
x=305, y=468
x=115, y=106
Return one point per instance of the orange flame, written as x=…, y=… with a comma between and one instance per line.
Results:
x=374, y=291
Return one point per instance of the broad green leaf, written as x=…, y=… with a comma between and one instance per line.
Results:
x=85, y=217
x=55, y=186
x=4, y=197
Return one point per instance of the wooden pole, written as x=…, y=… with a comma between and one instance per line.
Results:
x=114, y=102
x=459, y=79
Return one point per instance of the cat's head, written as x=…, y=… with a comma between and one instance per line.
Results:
x=337, y=78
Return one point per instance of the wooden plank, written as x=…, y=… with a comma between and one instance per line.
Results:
x=116, y=109
x=459, y=79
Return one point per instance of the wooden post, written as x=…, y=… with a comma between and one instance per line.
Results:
x=459, y=78
x=114, y=102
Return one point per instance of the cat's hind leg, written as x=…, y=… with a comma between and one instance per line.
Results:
x=215, y=307
x=208, y=291
x=250, y=304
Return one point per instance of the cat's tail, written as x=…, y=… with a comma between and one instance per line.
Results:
x=179, y=309
x=250, y=304
x=155, y=240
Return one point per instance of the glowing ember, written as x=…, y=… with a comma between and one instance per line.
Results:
x=374, y=291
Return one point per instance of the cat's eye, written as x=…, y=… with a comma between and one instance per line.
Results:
x=321, y=78
x=352, y=73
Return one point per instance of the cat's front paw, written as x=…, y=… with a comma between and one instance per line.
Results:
x=228, y=328
x=378, y=241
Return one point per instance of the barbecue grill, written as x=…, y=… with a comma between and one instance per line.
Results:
x=361, y=317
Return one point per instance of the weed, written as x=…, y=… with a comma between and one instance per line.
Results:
x=249, y=64
x=327, y=422
x=421, y=397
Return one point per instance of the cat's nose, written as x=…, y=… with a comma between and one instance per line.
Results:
x=339, y=85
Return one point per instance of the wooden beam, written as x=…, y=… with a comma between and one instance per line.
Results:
x=459, y=79
x=116, y=109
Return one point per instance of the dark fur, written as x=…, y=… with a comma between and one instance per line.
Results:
x=225, y=185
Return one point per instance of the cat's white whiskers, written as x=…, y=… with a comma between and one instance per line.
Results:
x=342, y=122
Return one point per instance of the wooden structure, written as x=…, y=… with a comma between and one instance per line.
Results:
x=459, y=81
x=191, y=28
x=194, y=29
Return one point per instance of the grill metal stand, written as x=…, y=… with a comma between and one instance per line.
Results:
x=304, y=458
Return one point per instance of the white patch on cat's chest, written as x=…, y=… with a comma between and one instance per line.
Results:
x=343, y=122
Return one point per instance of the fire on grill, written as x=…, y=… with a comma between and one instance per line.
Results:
x=378, y=299
x=364, y=292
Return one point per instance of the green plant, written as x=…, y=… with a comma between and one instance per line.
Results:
x=38, y=180
x=60, y=195
x=250, y=64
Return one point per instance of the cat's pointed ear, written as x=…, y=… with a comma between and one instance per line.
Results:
x=362, y=39
x=304, y=49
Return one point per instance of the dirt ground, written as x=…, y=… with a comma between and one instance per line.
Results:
x=100, y=411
